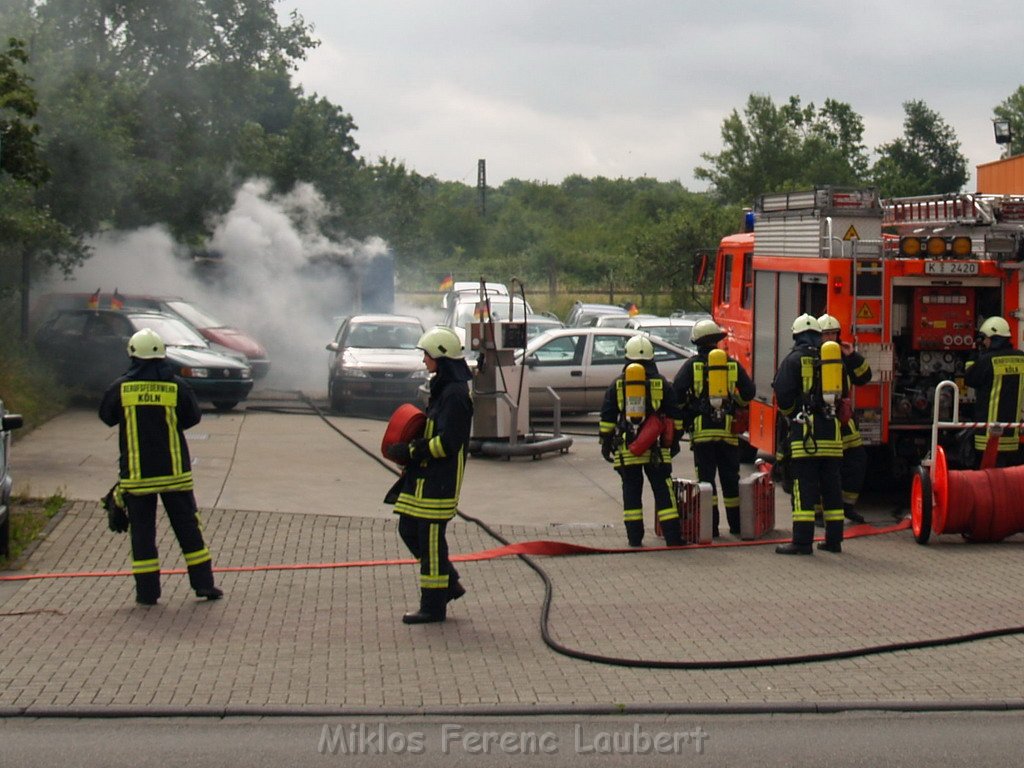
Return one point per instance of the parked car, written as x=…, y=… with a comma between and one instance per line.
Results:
x=582, y=314
x=612, y=321
x=233, y=340
x=374, y=362
x=537, y=324
x=473, y=288
x=8, y=422
x=580, y=363
x=674, y=330
x=88, y=349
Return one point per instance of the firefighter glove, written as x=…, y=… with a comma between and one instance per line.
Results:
x=398, y=452
x=608, y=447
x=117, y=515
x=675, y=448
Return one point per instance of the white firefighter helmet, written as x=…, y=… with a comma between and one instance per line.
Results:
x=706, y=332
x=806, y=323
x=441, y=342
x=829, y=323
x=639, y=347
x=146, y=344
x=995, y=326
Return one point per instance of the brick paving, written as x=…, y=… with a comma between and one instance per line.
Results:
x=314, y=639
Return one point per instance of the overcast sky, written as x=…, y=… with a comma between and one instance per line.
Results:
x=544, y=89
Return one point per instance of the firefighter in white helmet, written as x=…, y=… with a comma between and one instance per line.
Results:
x=428, y=491
x=856, y=371
x=997, y=376
x=152, y=408
x=639, y=402
x=806, y=394
x=710, y=388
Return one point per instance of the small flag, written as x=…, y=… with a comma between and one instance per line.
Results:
x=117, y=300
x=447, y=282
x=94, y=300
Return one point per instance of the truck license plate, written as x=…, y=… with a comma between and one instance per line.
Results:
x=951, y=268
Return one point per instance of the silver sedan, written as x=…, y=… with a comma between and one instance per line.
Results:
x=579, y=364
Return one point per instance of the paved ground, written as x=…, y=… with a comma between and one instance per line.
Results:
x=281, y=487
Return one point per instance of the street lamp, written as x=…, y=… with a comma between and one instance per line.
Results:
x=1004, y=134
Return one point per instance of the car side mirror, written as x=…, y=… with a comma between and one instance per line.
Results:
x=332, y=346
x=532, y=361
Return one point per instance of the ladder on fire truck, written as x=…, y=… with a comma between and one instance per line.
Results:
x=995, y=223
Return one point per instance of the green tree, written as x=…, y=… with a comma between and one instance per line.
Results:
x=1012, y=109
x=775, y=148
x=925, y=160
x=29, y=235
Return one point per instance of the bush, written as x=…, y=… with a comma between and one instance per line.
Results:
x=27, y=385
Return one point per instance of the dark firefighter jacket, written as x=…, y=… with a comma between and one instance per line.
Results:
x=152, y=408
x=998, y=380
x=699, y=418
x=856, y=371
x=813, y=430
x=661, y=399
x=433, y=477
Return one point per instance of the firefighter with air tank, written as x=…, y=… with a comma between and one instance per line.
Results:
x=808, y=387
x=709, y=388
x=856, y=371
x=997, y=376
x=640, y=432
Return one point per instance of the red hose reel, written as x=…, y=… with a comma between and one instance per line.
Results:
x=982, y=505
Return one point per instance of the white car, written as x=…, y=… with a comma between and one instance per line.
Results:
x=462, y=312
x=674, y=330
x=579, y=364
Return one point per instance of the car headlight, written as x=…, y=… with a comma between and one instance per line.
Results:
x=246, y=373
x=421, y=374
x=353, y=373
x=195, y=373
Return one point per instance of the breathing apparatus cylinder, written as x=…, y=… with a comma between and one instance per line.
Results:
x=635, y=393
x=831, y=372
x=718, y=378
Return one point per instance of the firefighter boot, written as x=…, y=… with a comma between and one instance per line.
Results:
x=201, y=578
x=147, y=588
x=673, y=532
x=635, y=532
x=432, y=607
x=455, y=589
x=833, y=537
x=732, y=515
x=853, y=517
x=803, y=536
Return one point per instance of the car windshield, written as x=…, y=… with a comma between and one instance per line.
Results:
x=193, y=315
x=174, y=332
x=383, y=336
x=673, y=334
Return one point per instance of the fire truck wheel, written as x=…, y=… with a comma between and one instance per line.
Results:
x=921, y=505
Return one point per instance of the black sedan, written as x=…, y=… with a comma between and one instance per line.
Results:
x=88, y=348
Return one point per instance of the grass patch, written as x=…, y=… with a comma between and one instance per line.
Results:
x=28, y=519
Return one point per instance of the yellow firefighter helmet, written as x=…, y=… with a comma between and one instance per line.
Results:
x=441, y=342
x=146, y=344
x=995, y=326
x=829, y=323
x=806, y=323
x=639, y=347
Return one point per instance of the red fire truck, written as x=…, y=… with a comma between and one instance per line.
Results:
x=909, y=279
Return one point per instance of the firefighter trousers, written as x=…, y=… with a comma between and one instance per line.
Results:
x=181, y=510
x=660, y=477
x=817, y=480
x=718, y=457
x=426, y=540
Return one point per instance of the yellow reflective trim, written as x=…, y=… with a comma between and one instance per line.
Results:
x=630, y=515
x=158, y=393
x=197, y=557
x=146, y=566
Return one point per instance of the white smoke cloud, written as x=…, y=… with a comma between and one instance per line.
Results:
x=278, y=276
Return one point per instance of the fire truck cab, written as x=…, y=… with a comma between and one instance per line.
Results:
x=910, y=280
